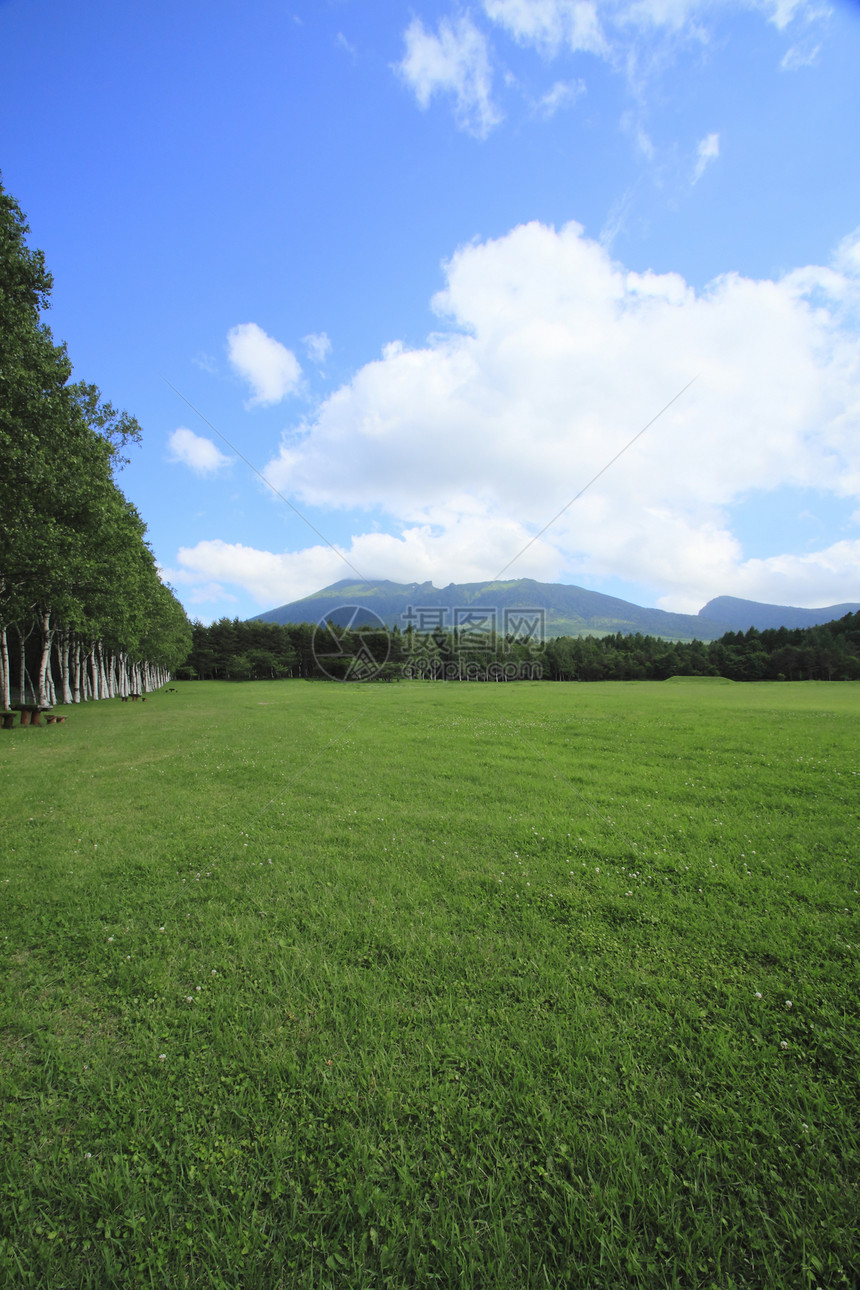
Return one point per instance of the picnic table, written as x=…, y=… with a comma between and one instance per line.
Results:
x=30, y=713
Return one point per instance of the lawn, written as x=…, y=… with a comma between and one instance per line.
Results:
x=433, y=985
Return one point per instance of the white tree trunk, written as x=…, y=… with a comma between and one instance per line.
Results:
x=104, y=690
x=25, y=688
x=76, y=671
x=5, y=686
x=63, y=648
x=44, y=681
x=93, y=673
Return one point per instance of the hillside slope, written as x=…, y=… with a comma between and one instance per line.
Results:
x=740, y=615
x=507, y=606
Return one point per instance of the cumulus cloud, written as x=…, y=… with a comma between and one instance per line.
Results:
x=271, y=370
x=196, y=452
x=553, y=357
x=707, y=151
x=421, y=553
x=318, y=346
x=456, y=62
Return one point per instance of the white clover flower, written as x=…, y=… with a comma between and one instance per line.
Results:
x=789, y=1004
x=784, y=1043
x=162, y=1057
x=758, y=994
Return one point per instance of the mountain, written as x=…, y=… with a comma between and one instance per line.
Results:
x=743, y=614
x=522, y=607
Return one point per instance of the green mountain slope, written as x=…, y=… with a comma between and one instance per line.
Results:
x=555, y=609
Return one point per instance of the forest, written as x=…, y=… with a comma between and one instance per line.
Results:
x=83, y=611
x=254, y=650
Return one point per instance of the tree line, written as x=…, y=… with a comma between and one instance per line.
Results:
x=83, y=612
x=245, y=651
x=830, y=652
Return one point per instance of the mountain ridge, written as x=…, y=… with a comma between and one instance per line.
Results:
x=556, y=609
x=561, y=609
x=743, y=614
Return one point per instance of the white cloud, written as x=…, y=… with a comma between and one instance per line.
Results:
x=554, y=25
x=804, y=54
x=638, y=38
x=206, y=363
x=782, y=12
x=271, y=370
x=813, y=580
x=847, y=258
x=456, y=62
x=418, y=554
x=556, y=356
x=707, y=151
x=271, y=579
x=561, y=94
x=196, y=451
x=632, y=125
x=318, y=346
x=550, y=24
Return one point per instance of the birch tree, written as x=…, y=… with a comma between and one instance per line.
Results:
x=76, y=573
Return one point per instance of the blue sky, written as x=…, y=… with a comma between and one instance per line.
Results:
x=429, y=268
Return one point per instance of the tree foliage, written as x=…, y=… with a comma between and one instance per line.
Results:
x=254, y=650
x=830, y=652
x=74, y=560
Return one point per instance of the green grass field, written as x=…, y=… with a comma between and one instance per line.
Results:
x=430, y=985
